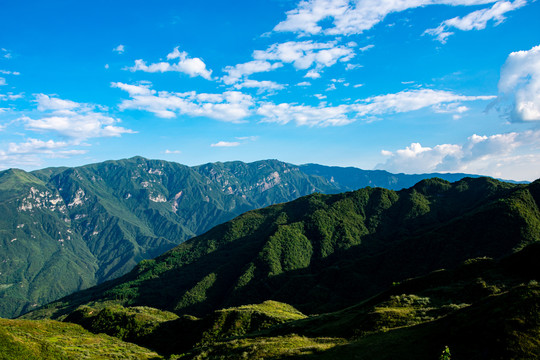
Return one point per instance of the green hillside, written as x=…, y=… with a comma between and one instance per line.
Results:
x=52, y=340
x=322, y=253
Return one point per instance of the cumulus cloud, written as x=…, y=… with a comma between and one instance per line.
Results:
x=225, y=144
x=119, y=49
x=313, y=74
x=191, y=66
x=2, y=81
x=497, y=155
x=347, y=17
x=477, y=20
x=519, y=86
x=73, y=120
x=232, y=106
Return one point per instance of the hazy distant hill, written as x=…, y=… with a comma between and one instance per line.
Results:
x=65, y=229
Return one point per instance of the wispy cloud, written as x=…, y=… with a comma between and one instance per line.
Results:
x=172, y=151
x=410, y=100
x=7, y=72
x=476, y=20
x=241, y=71
x=347, y=17
x=5, y=53
x=305, y=115
x=190, y=66
x=264, y=85
x=225, y=144
x=120, y=49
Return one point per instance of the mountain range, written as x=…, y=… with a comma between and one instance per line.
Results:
x=436, y=269
x=66, y=229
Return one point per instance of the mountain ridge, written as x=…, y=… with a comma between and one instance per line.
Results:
x=80, y=226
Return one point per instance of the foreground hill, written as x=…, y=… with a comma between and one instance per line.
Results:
x=482, y=309
x=37, y=340
x=66, y=229
x=321, y=253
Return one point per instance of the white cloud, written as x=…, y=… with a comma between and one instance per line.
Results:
x=302, y=55
x=225, y=144
x=5, y=53
x=74, y=120
x=241, y=71
x=453, y=108
x=29, y=153
x=230, y=106
x=313, y=74
x=353, y=66
x=142, y=89
x=172, y=151
x=358, y=85
x=410, y=100
x=477, y=20
x=2, y=81
x=7, y=72
x=247, y=138
x=305, y=54
x=349, y=17
x=235, y=106
x=331, y=87
x=261, y=85
x=499, y=155
x=320, y=96
x=119, y=49
x=519, y=86
x=45, y=103
x=191, y=66
x=304, y=115
x=366, y=48
x=10, y=96
x=304, y=83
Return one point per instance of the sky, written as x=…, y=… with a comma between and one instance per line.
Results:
x=408, y=86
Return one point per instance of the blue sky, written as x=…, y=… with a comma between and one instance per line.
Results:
x=403, y=85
